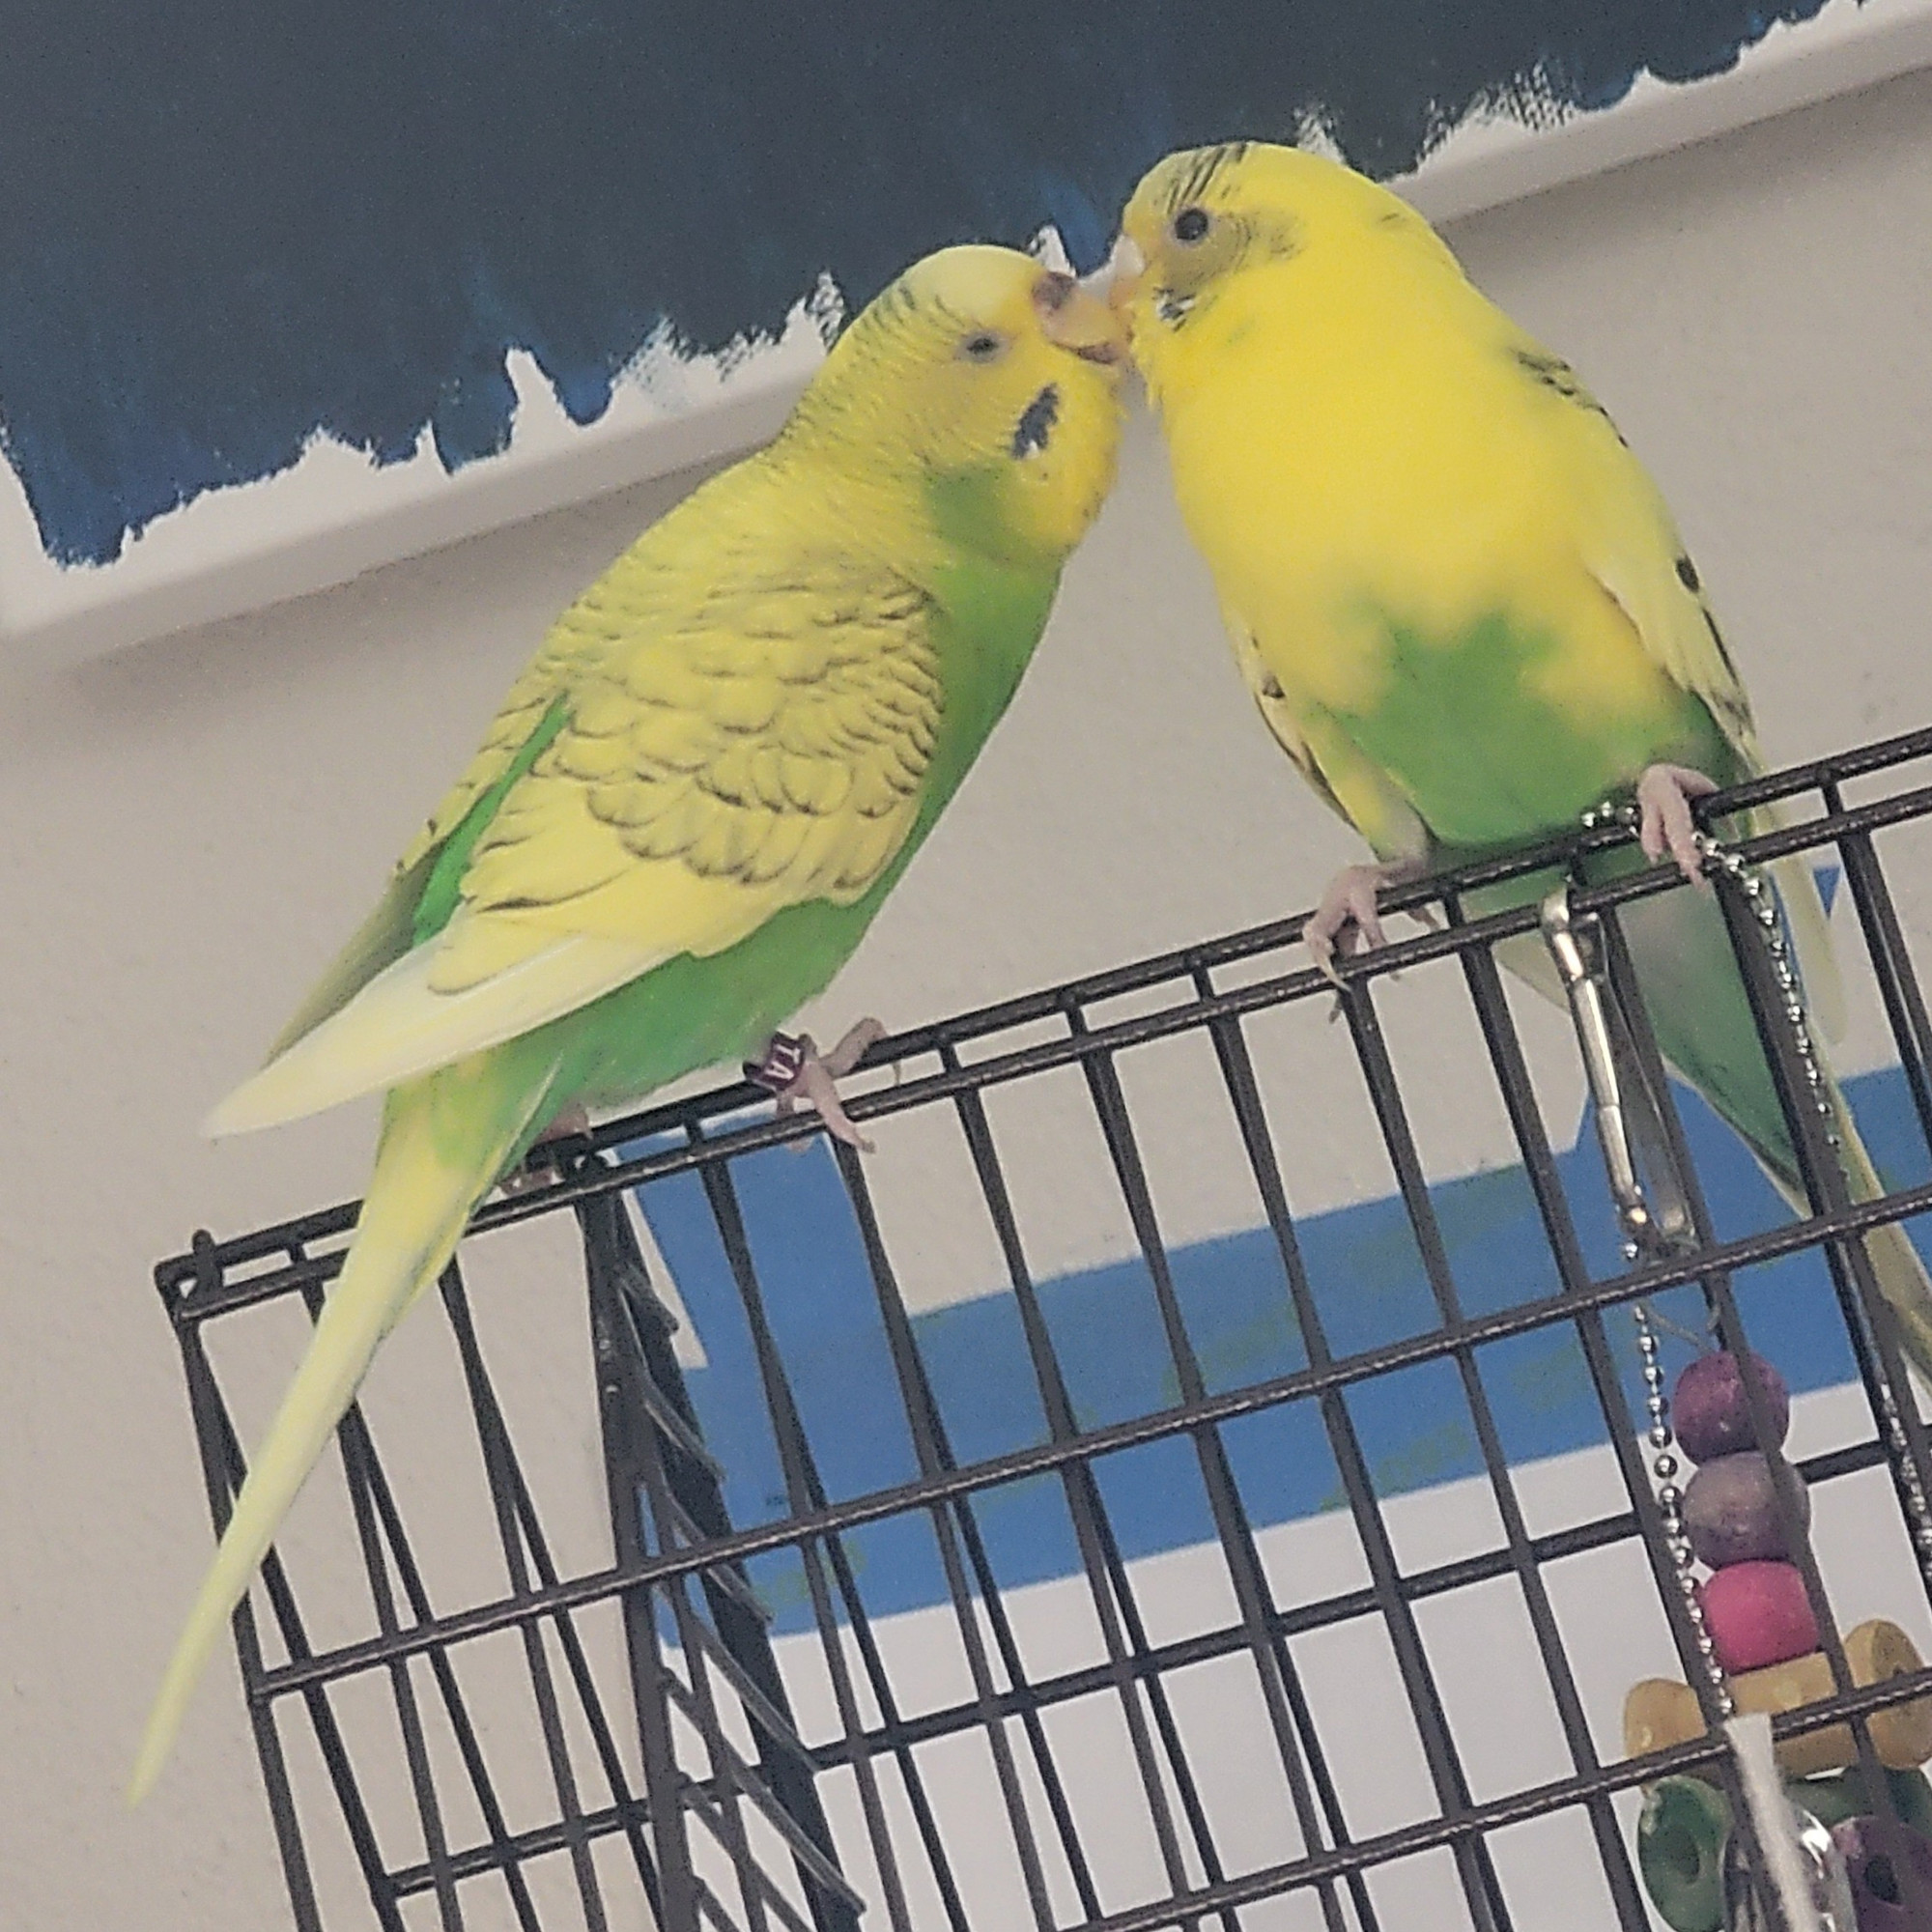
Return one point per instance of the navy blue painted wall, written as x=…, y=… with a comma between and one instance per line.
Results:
x=226, y=226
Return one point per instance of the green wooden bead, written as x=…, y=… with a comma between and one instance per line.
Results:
x=1680, y=1849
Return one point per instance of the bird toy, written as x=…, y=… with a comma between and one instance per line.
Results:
x=1756, y=1624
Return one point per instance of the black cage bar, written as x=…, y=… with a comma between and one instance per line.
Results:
x=619, y=1729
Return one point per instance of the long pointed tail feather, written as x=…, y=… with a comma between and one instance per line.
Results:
x=1898, y=1271
x=426, y=1182
x=1704, y=1026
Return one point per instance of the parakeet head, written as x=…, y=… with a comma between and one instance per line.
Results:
x=1247, y=216
x=988, y=383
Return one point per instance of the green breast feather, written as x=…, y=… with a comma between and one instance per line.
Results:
x=1461, y=732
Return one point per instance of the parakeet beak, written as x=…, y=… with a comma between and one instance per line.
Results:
x=1075, y=318
x=1126, y=266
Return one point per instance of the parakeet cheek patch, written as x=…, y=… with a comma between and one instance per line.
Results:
x=1037, y=421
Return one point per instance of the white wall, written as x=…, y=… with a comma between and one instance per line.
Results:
x=192, y=826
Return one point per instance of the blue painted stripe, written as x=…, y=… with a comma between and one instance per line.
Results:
x=1368, y=1286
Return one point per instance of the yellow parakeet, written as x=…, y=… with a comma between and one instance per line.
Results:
x=1457, y=597
x=694, y=800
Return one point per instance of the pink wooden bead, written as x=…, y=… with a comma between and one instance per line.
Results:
x=1757, y=1613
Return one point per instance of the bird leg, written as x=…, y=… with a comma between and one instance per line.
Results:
x=796, y=1071
x=537, y=1167
x=1347, y=914
x=1663, y=795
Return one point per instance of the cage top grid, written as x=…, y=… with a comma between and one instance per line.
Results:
x=1189, y=970
x=1214, y=989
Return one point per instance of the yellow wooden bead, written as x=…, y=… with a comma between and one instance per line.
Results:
x=1788, y=1686
x=1901, y=1733
x=1659, y=1712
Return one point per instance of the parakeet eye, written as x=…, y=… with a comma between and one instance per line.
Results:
x=983, y=347
x=1190, y=224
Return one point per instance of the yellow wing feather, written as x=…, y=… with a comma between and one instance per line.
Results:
x=1629, y=544
x=766, y=751
x=1349, y=784
x=384, y=936
x=762, y=746
x=538, y=685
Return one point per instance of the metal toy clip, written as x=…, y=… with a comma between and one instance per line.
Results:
x=1649, y=1194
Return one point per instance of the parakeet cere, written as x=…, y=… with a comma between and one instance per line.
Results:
x=1456, y=595
x=694, y=800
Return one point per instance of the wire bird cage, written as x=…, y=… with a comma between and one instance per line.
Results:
x=1171, y=1482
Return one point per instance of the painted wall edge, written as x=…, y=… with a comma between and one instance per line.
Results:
x=283, y=538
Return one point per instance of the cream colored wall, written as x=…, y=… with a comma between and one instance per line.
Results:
x=190, y=827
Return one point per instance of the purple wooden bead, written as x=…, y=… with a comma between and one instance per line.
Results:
x=1890, y=1869
x=1731, y=1511
x=1710, y=1413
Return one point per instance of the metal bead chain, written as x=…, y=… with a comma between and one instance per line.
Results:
x=1764, y=908
x=1763, y=903
x=1670, y=1507
x=1900, y=1453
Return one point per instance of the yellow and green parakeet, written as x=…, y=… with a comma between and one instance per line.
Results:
x=1457, y=597
x=694, y=800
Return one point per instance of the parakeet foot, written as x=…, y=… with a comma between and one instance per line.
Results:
x=796, y=1071
x=536, y=1168
x=1347, y=914
x=1663, y=795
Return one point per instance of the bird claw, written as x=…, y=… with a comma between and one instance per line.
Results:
x=1664, y=824
x=541, y=1164
x=797, y=1073
x=1348, y=915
